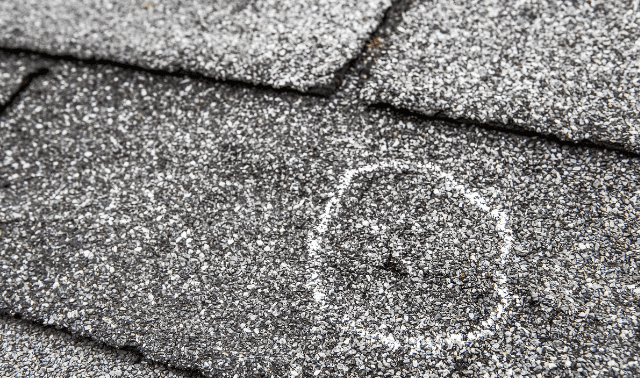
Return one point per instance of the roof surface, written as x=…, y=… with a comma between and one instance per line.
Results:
x=570, y=69
x=219, y=228
x=298, y=44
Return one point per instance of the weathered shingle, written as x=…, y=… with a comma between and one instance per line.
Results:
x=564, y=68
x=297, y=44
x=245, y=231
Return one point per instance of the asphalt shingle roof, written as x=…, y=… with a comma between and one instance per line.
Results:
x=298, y=44
x=236, y=230
x=569, y=69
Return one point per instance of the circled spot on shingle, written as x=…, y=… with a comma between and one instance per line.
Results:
x=402, y=251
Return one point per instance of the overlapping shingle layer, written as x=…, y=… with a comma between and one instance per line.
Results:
x=569, y=69
x=298, y=44
x=236, y=230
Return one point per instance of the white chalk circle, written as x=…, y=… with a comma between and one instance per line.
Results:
x=324, y=293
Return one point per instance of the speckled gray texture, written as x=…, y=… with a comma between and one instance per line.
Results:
x=298, y=44
x=29, y=350
x=13, y=69
x=553, y=67
x=241, y=231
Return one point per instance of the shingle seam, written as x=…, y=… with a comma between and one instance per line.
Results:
x=175, y=73
x=24, y=84
x=388, y=26
x=360, y=65
x=139, y=356
x=510, y=128
x=391, y=18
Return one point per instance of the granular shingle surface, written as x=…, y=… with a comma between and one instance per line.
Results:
x=239, y=231
x=565, y=68
x=30, y=350
x=298, y=44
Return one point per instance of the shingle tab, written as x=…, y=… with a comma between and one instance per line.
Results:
x=570, y=69
x=299, y=44
x=242, y=231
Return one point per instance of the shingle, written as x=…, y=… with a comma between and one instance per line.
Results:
x=298, y=44
x=237, y=231
x=569, y=69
